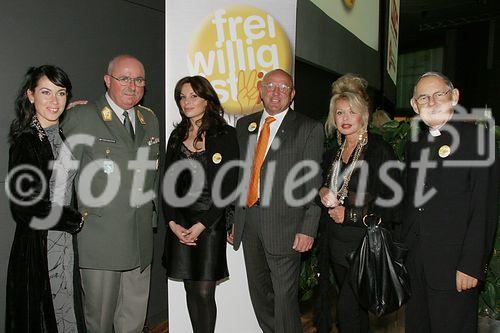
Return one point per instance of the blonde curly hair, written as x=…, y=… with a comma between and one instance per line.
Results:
x=353, y=89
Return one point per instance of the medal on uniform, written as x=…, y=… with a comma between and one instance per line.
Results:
x=108, y=166
x=141, y=118
x=216, y=158
x=106, y=114
x=444, y=151
x=252, y=126
x=153, y=140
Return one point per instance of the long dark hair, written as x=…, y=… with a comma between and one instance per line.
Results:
x=23, y=107
x=212, y=122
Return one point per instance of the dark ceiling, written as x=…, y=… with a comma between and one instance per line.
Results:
x=419, y=16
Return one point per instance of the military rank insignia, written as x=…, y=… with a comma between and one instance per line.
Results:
x=107, y=114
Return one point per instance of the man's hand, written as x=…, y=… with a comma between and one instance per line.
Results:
x=465, y=282
x=337, y=214
x=230, y=235
x=302, y=243
x=75, y=103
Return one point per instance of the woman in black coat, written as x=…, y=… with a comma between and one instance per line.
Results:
x=42, y=278
x=352, y=186
x=195, y=247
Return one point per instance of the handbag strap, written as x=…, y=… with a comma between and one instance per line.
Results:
x=370, y=215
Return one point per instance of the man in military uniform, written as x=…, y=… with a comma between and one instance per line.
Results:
x=116, y=246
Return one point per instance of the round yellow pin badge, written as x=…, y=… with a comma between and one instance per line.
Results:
x=216, y=158
x=444, y=151
x=252, y=126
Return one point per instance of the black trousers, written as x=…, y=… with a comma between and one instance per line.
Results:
x=437, y=311
x=351, y=317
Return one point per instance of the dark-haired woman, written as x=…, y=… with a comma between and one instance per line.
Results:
x=42, y=283
x=195, y=248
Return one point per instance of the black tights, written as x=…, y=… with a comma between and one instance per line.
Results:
x=200, y=297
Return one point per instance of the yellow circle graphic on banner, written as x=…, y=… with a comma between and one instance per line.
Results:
x=233, y=48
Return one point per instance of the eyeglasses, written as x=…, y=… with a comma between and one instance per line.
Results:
x=125, y=80
x=438, y=96
x=283, y=88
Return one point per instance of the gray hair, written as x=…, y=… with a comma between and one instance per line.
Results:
x=112, y=62
x=443, y=77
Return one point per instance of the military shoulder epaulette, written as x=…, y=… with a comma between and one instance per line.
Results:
x=145, y=108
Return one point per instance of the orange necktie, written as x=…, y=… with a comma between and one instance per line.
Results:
x=260, y=153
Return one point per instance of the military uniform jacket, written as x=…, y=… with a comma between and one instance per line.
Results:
x=118, y=232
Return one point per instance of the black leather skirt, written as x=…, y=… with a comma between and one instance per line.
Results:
x=204, y=262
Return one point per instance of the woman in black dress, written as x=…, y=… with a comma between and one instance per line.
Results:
x=195, y=248
x=350, y=190
x=43, y=288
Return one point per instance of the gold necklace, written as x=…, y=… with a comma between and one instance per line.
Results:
x=335, y=168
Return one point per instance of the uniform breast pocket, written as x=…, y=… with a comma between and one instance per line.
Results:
x=106, y=148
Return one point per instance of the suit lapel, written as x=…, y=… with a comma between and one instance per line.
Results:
x=251, y=135
x=114, y=125
x=287, y=127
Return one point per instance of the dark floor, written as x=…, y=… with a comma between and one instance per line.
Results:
x=391, y=323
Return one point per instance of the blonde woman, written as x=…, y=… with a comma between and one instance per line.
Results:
x=351, y=186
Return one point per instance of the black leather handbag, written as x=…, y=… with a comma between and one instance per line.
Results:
x=377, y=273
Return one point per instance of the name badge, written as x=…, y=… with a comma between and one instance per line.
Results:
x=444, y=151
x=106, y=140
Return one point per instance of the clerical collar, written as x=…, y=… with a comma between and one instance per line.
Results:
x=435, y=132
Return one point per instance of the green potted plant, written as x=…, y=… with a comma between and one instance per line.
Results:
x=489, y=299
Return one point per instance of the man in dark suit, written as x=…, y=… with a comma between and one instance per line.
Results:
x=116, y=248
x=450, y=211
x=278, y=220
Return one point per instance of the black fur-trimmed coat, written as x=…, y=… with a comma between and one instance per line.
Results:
x=29, y=306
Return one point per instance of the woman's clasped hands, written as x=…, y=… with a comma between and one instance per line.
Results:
x=187, y=236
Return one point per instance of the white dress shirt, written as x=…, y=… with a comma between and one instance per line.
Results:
x=273, y=127
x=119, y=111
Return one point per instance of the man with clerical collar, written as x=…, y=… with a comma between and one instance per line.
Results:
x=450, y=211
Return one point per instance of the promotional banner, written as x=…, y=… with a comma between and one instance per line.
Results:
x=392, y=40
x=233, y=44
